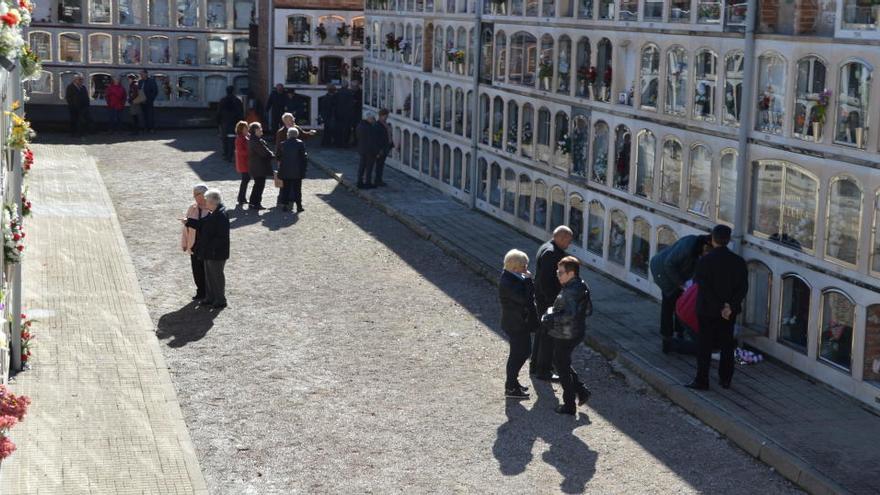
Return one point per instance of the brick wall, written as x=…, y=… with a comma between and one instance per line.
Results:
x=768, y=16
x=806, y=16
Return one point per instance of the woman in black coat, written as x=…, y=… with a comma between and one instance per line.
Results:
x=259, y=164
x=516, y=291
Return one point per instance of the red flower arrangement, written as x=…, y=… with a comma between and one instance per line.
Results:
x=11, y=18
x=25, y=204
x=26, y=337
x=27, y=160
x=13, y=405
x=12, y=411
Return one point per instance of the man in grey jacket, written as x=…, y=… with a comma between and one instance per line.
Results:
x=671, y=268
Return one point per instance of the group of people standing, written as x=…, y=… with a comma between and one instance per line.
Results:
x=544, y=316
x=140, y=96
x=254, y=161
x=339, y=112
x=205, y=238
x=704, y=264
x=374, y=146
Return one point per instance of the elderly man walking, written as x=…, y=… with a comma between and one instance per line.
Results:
x=369, y=146
x=212, y=247
x=292, y=163
x=547, y=287
x=77, y=97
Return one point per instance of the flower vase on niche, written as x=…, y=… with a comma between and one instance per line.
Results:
x=860, y=137
x=817, y=131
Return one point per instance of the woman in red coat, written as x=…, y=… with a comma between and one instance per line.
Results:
x=115, y=96
x=241, y=159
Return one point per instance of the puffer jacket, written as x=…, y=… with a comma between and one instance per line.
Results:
x=675, y=264
x=566, y=320
x=517, y=297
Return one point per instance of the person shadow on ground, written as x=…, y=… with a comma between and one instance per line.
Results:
x=278, y=219
x=241, y=216
x=188, y=324
x=568, y=454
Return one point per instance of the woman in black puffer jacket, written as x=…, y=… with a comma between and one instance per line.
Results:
x=516, y=291
x=566, y=323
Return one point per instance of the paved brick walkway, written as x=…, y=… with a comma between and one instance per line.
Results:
x=809, y=433
x=105, y=418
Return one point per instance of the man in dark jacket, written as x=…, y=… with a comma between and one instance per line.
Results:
x=229, y=112
x=77, y=97
x=151, y=90
x=292, y=164
x=326, y=112
x=386, y=144
x=723, y=281
x=212, y=247
x=369, y=146
x=547, y=287
x=278, y=103
x=671, y=268
x=566, y=325
x=345, y=114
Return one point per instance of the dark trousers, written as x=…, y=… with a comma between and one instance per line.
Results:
x=715, y=332
x=379, y=168
x=328, y=137
x=242, y=188
x=257, y=191
x=115, y=119
x=365, y=169
x=198, y=269
x=344, y=136
x=568, y=378
x=147, y=110
x=291, y=192
x=79, y=120
x=668, y=321
x=542, y=349
x=520, y=348
x=228, y=145
x=135, y=123
x=215, y=281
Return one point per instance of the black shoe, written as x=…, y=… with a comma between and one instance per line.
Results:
x=523, y=387
x=724, y=384
x=257, y=207
x=516, y=393
x=218, y=306
x=695, y=385
x=544, y=376
x=583, y=395
x=242, y=201
x=300, y=209
x=198, y=297
x=563, y=409
x=205, y=302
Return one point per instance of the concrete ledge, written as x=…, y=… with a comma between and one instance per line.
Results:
x=746, y=437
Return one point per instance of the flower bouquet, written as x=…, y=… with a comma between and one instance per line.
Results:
x=321, y=31
x=26, y=337
x=27, y=160
x=392, y=43
x=343, y=32
x=21, y=133
x=564, y=144
x=31, y=68
x=12, y=411
x=14, y=14
x=455, y=56
x=13, y=235
x=25, y=204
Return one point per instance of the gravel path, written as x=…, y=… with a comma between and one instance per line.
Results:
x=356, y=357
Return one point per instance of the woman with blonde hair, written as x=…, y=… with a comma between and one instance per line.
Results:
x=519, y=317
x=241, y=159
